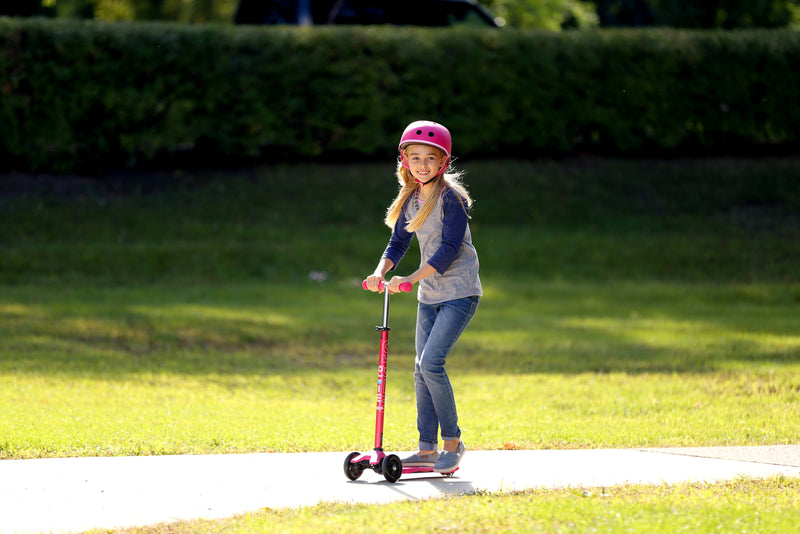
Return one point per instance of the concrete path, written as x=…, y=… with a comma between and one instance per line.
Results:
x=76, y=494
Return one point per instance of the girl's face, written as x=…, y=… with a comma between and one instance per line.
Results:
x=424, y=161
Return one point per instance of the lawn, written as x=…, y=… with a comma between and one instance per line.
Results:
x=627, y=303
x=738, y=506
x=256, y=367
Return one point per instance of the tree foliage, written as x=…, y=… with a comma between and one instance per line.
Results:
x=529, y=14
x=544, y=14
x=706, y=14
x=728, y=14
x=115, y=10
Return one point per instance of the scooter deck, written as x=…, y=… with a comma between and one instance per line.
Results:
x=412, y=470
x=375, y=458
x=388, y=465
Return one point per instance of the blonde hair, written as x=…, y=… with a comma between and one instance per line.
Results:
x=408, y=187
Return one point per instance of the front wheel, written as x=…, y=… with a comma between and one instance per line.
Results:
x=392, y=468
x=351, y=470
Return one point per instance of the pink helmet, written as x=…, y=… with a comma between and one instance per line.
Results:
x=427, y=133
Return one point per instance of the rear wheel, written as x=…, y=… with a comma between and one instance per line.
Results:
x=351, y=470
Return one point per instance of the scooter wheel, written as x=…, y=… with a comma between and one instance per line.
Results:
x=392, y=468
x=351, y=470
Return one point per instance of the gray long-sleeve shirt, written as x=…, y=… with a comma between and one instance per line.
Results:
x=445, y=244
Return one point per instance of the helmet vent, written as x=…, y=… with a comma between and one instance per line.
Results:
x=419, y=132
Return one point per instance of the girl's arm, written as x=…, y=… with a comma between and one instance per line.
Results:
x=385, y=265
x=424, y=271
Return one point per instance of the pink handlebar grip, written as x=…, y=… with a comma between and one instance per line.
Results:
x=405, y=287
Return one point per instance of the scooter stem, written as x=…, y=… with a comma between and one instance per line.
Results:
x=385, y=325
x=383, y=359
x=381, y=399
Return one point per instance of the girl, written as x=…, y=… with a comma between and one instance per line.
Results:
x=434, y=206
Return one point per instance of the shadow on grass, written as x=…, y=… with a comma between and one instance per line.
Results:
x=537, y=327
x=633, y=328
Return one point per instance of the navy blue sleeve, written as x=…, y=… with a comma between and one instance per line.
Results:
x=454, y=225
x=400, y=240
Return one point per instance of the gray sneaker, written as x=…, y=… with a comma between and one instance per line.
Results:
x=424, y=460
x=448, y=461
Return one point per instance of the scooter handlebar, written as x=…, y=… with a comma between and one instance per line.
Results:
x=405, y=287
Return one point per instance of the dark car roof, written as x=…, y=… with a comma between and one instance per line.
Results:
x=397, y=12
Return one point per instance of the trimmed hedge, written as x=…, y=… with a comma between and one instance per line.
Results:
x=82, y=96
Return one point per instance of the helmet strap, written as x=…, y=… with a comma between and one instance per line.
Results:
x=425, y=183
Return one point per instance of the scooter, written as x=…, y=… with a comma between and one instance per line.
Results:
x=388, y=465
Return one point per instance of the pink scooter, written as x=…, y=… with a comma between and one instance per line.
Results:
x=390, y=466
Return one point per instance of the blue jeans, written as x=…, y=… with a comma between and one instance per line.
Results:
x=438, y=328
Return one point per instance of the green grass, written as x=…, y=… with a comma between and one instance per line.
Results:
x=719, y=220
x=254, y=367
x=628, y=303
x=738, y=506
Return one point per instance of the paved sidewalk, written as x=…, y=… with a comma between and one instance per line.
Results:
x=76, y=494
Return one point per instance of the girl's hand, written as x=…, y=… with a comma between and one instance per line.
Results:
x=394, y=283
x=373, y=283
